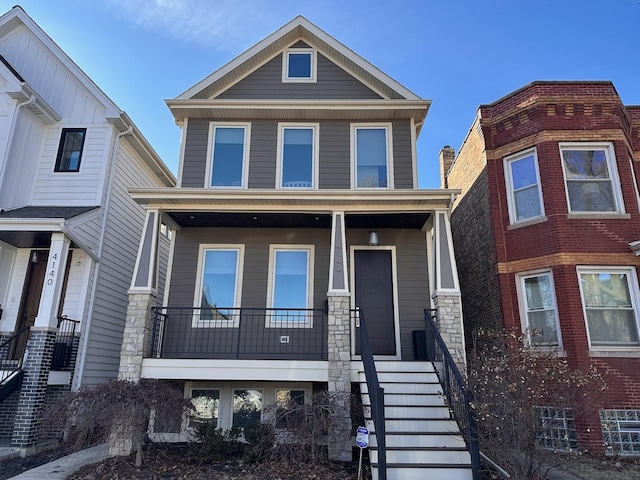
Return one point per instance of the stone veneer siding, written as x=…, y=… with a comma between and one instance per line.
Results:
x=339, y=356
x=34, y=386
x=449, y=322
x=136, y=340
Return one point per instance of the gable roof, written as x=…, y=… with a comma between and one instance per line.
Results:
x=17, y=17
x=297, y=29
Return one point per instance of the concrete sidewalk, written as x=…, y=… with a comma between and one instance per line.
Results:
x=59, y=469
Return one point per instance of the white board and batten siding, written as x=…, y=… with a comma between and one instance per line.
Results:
x=117, y=259
x=75, y=299
x=14, y=289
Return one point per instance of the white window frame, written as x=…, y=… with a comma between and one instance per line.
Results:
x=208, y=180
x=511, y=192
x=524, y=310
x=192, y=425
x=273, y=249
x=612, y=167
x=634, y=293
x=285, y=66
x=315, y=128
x=197, y=298
x=354, y=154
x=257, y=389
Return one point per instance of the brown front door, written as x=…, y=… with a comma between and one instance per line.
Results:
x=374, y=295
x=31, y=293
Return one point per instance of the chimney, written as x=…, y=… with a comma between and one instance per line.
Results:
x=447, y=157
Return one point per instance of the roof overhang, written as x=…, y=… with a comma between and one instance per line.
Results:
x=361, y=110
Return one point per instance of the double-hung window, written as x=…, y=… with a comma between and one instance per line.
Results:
x=371, y=156
x=538, y=308
x=297, y=154
x=524, y=195
x=290, y=286
x=610, y=302
x=591, y=177
x=299, y=65
x=70, y=150
x=218, y=294
x=229, y=155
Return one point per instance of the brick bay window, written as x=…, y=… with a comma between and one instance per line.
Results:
x=610, y=302
x=538, y=309
x=591, y=178
x=524, y=196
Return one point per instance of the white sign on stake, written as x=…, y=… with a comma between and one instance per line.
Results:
x=362, y=437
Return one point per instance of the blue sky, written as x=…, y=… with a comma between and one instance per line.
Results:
x=457, y=53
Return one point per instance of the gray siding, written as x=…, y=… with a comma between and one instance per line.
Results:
x=195, y=154
x=334, y=154
x=332, y=83
x=256, y=260
x=402, y=160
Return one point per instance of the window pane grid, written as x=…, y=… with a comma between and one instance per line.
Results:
x=621, y=431
x=557, y=429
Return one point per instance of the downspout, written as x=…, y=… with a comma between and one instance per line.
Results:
x=12, y=129
x=77, y=381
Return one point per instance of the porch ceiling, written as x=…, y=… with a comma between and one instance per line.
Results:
x=296, y=220
x=26, y=239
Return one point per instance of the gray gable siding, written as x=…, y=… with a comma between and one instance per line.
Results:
x=195, y=154
x=332, y=83
x=402, y=160
x=334, y=154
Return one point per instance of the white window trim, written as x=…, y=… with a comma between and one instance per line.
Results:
x=245, y=158
x=315, y=127
x=634, y=293
x=522, y=305
x=257, y=389
x=191, y=388
x=197, y=322
x=508, y=174
x=612, y=166
x=354, y=170
x=273, y=248
x=285, y=66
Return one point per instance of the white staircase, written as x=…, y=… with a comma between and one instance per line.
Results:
x=422, y=440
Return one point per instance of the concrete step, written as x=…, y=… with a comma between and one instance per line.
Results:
x=399, y=366
x=432, y=425
x=422, y=440
x=407, y=388
x=424, y=472
x=408, y=412
x=413, y=400
x=403, y=377
x=425, y=455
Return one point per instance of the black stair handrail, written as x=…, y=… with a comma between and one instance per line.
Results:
x=376, y=393
x=8, y=366
x=459, y=397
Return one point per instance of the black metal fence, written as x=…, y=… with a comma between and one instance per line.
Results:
x=66, y=344
x=376, y=392
x=459, y=398
x=242, y=333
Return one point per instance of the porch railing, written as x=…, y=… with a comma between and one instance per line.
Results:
x=376, y=392
x=459, y=397
x=66, y=343
x=241, y=333
x=10, y=366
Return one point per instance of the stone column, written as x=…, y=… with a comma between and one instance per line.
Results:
x=449, y=323
x=339, y=356
x=138, y=331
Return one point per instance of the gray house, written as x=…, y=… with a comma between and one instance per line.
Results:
x=68, y=227
x=297, y=203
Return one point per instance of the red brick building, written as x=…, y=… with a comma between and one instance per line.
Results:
x=547, y=231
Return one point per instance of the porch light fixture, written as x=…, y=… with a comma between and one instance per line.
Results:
x=34, y=257
x=635, y=247
x=373, y=238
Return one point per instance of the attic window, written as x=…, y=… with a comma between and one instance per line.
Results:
x=299, y=65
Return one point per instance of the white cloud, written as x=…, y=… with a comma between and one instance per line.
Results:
x=219, y=24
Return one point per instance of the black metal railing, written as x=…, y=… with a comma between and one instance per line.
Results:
x=459, y=397
x=376, y=392
x=9, y=364
x=66, y=344
x=242, y=333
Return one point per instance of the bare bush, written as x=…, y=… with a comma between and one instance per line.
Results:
x=515, y=386
x=118, y=411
